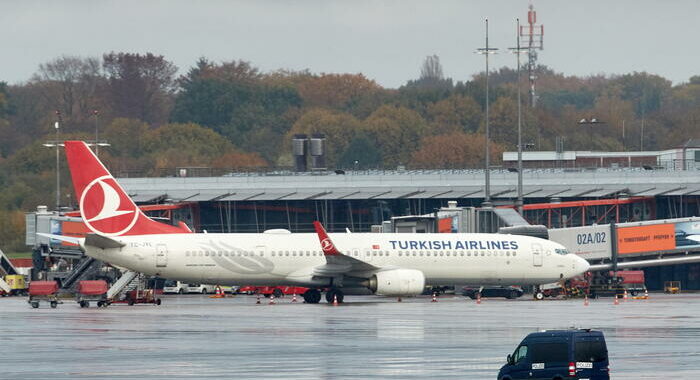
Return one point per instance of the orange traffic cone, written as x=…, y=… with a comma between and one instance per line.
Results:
x=646, y=293
x=335, y=300
x=616, y=301
x=294, y=297
x=624, y=295
x=258, y=299
x=478, y=298
x=585, y=300
x=434, y=297
x=272, y=299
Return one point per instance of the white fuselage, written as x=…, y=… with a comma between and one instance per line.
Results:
x=290, y=259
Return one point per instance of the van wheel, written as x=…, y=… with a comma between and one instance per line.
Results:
x=35, y=304
x=181, y=291
x=204, y=291
x=633, y=293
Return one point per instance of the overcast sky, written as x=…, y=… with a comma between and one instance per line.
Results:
x=385, y=40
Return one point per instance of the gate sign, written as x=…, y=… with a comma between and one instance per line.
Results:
x=650, y=238
x=589, y=242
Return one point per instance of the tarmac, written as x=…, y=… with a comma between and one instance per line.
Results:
x=367, y=337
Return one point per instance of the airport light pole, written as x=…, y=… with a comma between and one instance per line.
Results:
x=517, y=51
x=593, y=121
x=486, y=51
x=57, y=143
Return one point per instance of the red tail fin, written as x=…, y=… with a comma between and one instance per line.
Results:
x=105, y=207
x=327, y=245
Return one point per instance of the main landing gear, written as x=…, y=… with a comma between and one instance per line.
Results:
x=334, y=293
x=314, y=295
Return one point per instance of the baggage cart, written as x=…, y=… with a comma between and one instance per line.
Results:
x=43, y=291
x=92, y=291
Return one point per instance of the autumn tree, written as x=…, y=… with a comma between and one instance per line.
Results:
x=173, y=145
x=457, y=113
x=454, y=150
x=69, y=84
x=140, y=86
x=396, y=131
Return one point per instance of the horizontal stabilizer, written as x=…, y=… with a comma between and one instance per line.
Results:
x=67, y=239
x=101, y=241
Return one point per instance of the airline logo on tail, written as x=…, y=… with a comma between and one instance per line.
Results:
x=104, y=210
x=105, y=207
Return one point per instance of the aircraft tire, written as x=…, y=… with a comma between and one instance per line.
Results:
x=277, y=293
x=312, y=296
x=334, y=292
x=539, y=296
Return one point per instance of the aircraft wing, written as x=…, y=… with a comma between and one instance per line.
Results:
x=337, y=263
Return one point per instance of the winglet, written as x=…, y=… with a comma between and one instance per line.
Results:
x=327, y=245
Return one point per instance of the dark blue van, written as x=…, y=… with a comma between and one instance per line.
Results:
x=559, y=355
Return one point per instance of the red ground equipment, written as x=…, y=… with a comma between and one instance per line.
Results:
x=277, y=291
x=92, y=291
x=139, y=297
x=43, y=291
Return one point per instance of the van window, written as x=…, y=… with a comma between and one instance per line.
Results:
x=520, y=354
x=591, y=351
x=549, y=352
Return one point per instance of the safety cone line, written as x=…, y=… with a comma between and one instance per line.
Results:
x=258, y=299
x=434, y=299
x=272, y=299
x=294, y=297
x=335, y=300
x=585, y=300
x=478, y=298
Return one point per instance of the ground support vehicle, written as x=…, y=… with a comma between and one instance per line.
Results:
x=182, y=288
x=136, y=296
x=17, y=285
x=46, y=291
x=559, y=354
x=92, y=291
x=277, y=291
x=509, y=292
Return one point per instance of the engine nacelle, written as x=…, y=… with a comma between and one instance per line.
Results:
x=398, y=282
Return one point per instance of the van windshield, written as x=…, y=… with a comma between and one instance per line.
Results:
x=549, y=352
x=591, y=351
x=170, y=283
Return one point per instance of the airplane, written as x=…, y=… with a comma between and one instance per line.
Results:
x=390, y=264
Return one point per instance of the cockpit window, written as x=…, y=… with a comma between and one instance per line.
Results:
x=560, y=251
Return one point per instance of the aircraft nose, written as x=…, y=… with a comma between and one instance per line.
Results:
x=581, y=264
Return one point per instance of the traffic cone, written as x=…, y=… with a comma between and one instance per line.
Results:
x=585, y=300
x=399, y=300
x=272, y=299
x=616, y=301
x=624, y=295
x=335, y=300
x=646, y=293
x=434, y=297
x=294, y=297
x=258, y=299
x=478, y=298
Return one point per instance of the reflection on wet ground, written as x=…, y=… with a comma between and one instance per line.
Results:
x=368, y=337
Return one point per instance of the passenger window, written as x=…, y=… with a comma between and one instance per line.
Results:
x=520, y=354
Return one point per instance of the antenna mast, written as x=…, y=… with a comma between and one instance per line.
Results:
x=531, y=35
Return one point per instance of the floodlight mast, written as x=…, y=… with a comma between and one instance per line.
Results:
x=517, y=51
x=486, y=51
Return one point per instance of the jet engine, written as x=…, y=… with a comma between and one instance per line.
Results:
x=397, y=282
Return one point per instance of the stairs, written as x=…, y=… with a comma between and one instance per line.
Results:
x=129, y=281
x=86, y=268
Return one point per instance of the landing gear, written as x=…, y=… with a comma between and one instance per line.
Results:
x=334, y=293
x=312, y=296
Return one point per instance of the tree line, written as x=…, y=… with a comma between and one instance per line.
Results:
x=232, y=115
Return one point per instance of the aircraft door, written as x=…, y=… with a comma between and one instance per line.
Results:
x=537, y=254
x=161, y=256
